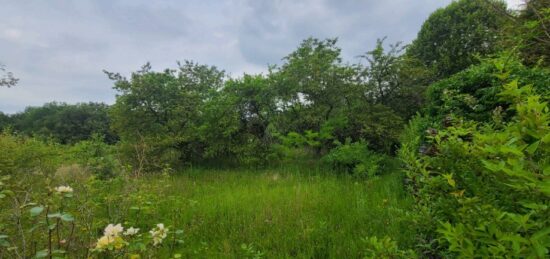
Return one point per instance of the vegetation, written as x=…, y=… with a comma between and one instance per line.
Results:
x=7, y=79
x=439, y=149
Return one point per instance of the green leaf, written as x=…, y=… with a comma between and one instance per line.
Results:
x=54, y=215
x=67, y=217
x=533, y=147
x=35, y=211
x=58, y=252
x=41, y=254
x=450, y=179
x=540, y=234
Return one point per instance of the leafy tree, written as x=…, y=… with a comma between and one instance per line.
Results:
x=312, y=84
x=394, y=80
x=381, y=75
x=65, y=123
x=452, y=37
x=531, y=32
x=157, y=114
x=237, y=120
x=5, y=121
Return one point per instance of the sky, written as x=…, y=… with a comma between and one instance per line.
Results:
x=59, y=48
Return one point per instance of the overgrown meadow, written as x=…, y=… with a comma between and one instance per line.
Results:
x=279, y=212
x=437, y=149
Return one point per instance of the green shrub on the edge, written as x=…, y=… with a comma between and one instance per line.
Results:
x=487, y=185
x=355, y=158
x=385, y=248
x=97, y=156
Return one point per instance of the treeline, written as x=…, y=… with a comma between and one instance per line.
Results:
x=313, y=100
x=61, y=122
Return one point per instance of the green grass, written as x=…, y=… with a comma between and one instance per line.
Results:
x=299, y=211
x=281, y=214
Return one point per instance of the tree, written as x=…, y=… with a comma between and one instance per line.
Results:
x=237, y=120
x=65, y=123
x=5, y=121
x=157, y=114
x=7, y=79
x=394, y=80
x=312, y=84
x=452, y=37
x=531, y=32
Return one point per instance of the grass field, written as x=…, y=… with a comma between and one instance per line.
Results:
x=277, y=213
x=269, y=213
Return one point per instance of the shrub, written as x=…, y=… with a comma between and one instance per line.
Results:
x=385, y=248
x=487, y=184
x=27, y=155
x=97, y=156
x=472, y=93
x=354, y=158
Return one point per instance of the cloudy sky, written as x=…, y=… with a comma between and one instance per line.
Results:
x=58, y=48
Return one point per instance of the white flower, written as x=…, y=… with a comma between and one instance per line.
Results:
x=113, y=230
x=111, y=237
x=131, y=231
x=159, y=233
x=63, y=189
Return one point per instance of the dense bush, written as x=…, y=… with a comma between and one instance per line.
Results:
x=486, y=184
x=472, y=93
x=64, y=123
x=27, y=155
x=97, y=156
x=355, y=158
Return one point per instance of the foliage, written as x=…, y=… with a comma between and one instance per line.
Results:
x=277, y=213
x=97, y=156
x=487, y=183
x=385, y=248
x=312, y=85
x=355, y=158
x=452, y=37
x=237, y=121
x=24, y=155
x=64, y=123
x=472, y=93
x=529, y=33
x=5, y=121
x=157, y=113
x=394, y=80
x=7, y=79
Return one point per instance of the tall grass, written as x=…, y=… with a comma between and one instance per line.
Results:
x=292, y=210
x=281, y=213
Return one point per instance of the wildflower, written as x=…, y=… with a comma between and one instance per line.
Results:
x=103, y=242
x=131, y=231
x=111, y=237
x=159, y=233
x=110, y=242
x=63, y=189
x=113, y=230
